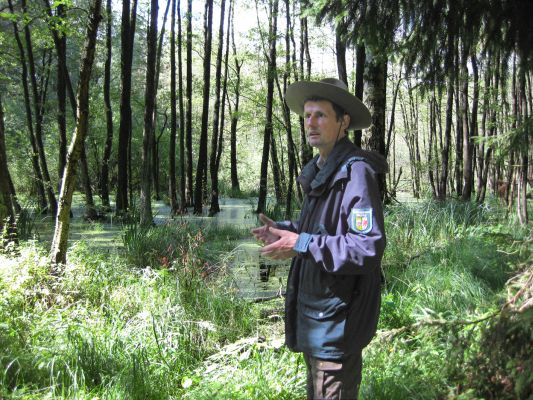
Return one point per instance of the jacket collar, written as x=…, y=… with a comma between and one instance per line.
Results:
x=313, y=180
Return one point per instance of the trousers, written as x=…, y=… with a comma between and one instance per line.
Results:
x=333, y=380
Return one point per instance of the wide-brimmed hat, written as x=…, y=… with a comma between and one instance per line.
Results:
x=333, y=90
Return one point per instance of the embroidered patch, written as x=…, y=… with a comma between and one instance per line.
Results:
x=360, y=220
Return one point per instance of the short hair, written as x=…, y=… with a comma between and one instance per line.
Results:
x=339, y=111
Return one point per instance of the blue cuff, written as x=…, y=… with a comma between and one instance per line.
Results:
x=302, y=244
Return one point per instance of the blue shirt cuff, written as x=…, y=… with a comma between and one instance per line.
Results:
x=302, y=244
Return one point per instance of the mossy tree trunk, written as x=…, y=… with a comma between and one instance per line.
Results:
x=58, y=250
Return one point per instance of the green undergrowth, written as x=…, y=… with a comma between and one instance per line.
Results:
x=109, y=329
x=161, y=318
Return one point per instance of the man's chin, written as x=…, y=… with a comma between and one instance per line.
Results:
x=313, y=141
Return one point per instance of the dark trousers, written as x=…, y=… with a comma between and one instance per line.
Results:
x=333, y=380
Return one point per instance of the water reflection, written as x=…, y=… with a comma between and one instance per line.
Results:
x=254, y=276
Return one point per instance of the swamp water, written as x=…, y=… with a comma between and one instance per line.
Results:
x=255, y=277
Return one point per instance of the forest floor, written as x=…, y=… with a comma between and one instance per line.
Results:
x=186, y=309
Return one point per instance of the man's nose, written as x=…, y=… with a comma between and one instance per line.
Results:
x=311, y=120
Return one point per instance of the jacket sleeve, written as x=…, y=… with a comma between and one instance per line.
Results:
x=355, y=248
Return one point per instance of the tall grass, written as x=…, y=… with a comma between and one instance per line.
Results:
x=109, y=330
x=160, y=320
x=446, y=264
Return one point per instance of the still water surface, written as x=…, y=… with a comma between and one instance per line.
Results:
x=254, y=276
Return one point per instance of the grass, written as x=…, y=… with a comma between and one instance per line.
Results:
x=161, y=319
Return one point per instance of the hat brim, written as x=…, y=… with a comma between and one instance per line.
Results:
x=298, y=92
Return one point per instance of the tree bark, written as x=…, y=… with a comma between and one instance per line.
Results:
x=276, y=170
x=359, y=85
x=459, y=111
x=521, y=195
x=127, y=31
x=376, y=74
x=7, y=206
x=188, y=116
x=267, y=137
x=90, y=210
x=224, y=95
x=340, y=47
x=215, y=207
x=306, y=151
x=38, y=110
x=183, y=196
x=60, y=42
x=172, y=193
x=149, y=105
x=155, y=147
x=43, y=204
x=291, y=148
x=235, y=187
x=59, y=243
x=201, y=166
x=104, y=178
x=467, y=130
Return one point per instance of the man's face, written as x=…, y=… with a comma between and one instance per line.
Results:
x=322, y=127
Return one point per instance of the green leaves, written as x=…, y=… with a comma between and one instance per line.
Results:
x=9, y=17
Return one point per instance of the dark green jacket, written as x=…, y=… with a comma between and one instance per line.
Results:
x=333, y=289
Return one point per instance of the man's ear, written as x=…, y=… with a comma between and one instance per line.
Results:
x=345, y=121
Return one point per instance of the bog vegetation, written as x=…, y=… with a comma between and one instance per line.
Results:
x=162, y=316
x=111, y=111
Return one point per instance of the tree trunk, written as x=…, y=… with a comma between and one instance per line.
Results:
x=43, y=204
x=271, y=70
x=59, y=243
x=481, y=184
x=291, y=148
x=235, y=187
x=489, y=112
x=276, y=170
x=7, y=206
x=201, y=166
x=149, y=105
x=188, y=117
x=104, y=178
x=155, y=147
x=127, y=31
x=340, y=47
x=431, y=144
x=306, y=151
x=224, y=96
x=473, y=123
x=521, y=194
x=467, y=133
x=183, y=197
x=90, y=210
x=376, y=74
x=172, y=193
x=38, y=110
x=459, y=112
x=215, y=208
x=60, y=42
x=360, y=85
x=442, y=188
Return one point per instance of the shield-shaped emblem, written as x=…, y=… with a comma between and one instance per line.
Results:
x=360, y=220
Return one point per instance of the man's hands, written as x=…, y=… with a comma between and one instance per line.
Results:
x=279, y=243
x=263, y=233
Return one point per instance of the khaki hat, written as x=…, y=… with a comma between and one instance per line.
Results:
x=333, y=90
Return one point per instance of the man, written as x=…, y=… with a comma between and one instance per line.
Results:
x=333, y=289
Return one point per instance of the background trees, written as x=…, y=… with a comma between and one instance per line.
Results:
x=448, y=83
